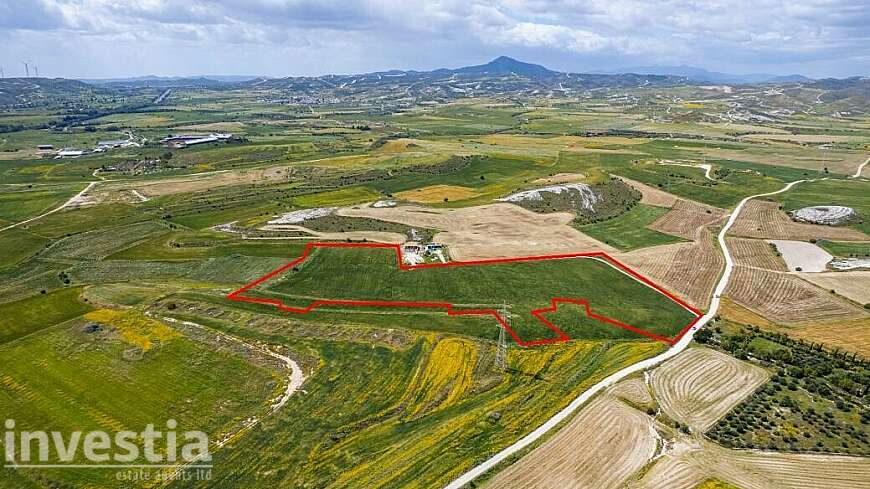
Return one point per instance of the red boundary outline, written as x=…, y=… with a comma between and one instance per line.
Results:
x=538, y=313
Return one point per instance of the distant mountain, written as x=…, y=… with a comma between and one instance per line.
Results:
x=170, y=81
x=33, y=92
x=504, y=65
x=701, y=75
x=501, y=76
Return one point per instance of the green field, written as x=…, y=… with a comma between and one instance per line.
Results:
x=845, y=249
x=68, y=379
x=372, y=274
x=628, y=231
x=390, y=409
x=400, y=397
x=24, y=317
x=849, y=193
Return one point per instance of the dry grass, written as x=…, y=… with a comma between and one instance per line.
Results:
x=490, y=231
x=851, y=335
x=688, y=269
x=600, y=448
x=437, y=193
x=755, y=253
x=805, y=158
x=375, y=236
x=786, y=299
x=634, y=391
x=229, y=126
x=690, y=461
x=701, y=385
x=805, y=138
x=560, y=178
x=854, y=285
x=686, y=218
x=763, y=219
x=734, y=312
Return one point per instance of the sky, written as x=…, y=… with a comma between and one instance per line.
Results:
x=118, y=38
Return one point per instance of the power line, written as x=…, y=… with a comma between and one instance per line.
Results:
x=501, y=350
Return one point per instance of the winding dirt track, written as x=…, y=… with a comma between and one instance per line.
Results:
x=641, y=366
x=765, y=220
x=74, y=200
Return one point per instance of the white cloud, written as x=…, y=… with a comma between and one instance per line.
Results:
x=282, y=37
x=545, y=35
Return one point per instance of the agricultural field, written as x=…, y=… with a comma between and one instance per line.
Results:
x=121, y=270
x=525, y=289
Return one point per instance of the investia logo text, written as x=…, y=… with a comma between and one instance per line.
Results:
x=96, y=448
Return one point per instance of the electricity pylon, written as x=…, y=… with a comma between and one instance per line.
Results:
x=501, y=350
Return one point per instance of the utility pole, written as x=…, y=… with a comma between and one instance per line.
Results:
x=501, y=350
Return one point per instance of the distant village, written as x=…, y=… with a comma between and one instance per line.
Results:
x=171, y=141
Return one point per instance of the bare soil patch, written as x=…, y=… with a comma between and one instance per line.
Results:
x=802, y=256
x=490, y=231
x=763, y=219
x=701, y=385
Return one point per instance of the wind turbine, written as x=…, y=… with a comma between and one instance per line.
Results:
x=26, y=68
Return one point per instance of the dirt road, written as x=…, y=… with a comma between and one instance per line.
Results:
x=681, y=345
x=75, y=199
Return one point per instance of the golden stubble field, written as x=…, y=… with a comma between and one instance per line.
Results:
x=612, y=444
